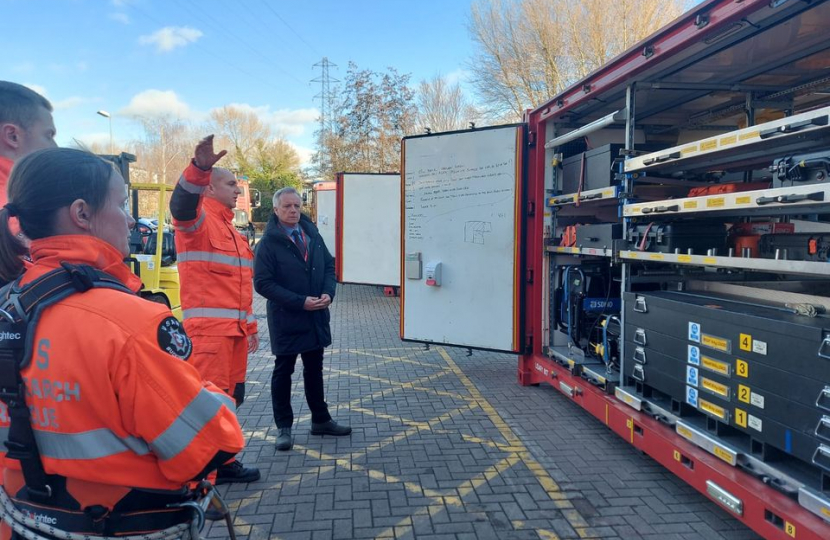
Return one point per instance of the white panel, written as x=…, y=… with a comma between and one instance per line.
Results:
x=460, y=210
x=371, y=229
x=326, y=201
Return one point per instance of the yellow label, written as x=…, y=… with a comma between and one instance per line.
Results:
x=708, y=145
x=715, y=387
x=574, y=250
x=608, y=193
x=744, y=393
x=742, y=368
x=732, y=139
x=634, y=210
x=690, y=205
x=716, y=202
x=745, y=342
x=789, y=528
x=684, y=258
x=684, y=432
x=743, y=200
x=723, y=454
x=629, y=423
x=714, y=365
x=749, y=135
x=713, y=342
x=656, y=256
x=688, y=150
x=712, y=409
x=676, y=455
x=825, y=511
x=740, y=417
x=710, y=260
x=632, y=255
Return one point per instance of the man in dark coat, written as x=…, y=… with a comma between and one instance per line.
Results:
x=294, y=271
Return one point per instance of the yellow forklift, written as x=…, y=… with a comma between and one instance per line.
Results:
x=152, y=244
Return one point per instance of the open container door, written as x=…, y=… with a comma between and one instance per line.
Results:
x=325, y=213
x=461, y=227
x=369, y=229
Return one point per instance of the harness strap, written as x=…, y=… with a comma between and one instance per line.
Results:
x=19, y=314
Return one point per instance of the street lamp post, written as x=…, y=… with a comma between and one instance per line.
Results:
x=106, y=115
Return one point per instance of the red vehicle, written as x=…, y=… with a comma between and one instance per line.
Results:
x=615, y=156
x=243, y=214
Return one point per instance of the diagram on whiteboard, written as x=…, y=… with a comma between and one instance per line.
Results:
x=475, y=231
x=460, y=216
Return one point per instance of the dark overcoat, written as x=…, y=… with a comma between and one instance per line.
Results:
x=285, y=279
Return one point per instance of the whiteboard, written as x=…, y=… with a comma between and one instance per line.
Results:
x=326, y=201
x=461, y=193
x=369, y=229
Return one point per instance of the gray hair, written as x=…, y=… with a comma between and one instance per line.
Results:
x=276, y=200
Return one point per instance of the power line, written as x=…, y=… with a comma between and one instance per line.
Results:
x=200, y=48
x=271, y=8
x=223, y=29
x=267, y=31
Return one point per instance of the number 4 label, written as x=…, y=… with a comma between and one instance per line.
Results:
x=746, y=342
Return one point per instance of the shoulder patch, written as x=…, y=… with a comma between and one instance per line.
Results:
x=173, y=339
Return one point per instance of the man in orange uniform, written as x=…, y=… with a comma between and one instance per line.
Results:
x=26, y=125
x=216, y=270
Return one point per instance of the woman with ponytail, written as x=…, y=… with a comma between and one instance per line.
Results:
x=121, y=419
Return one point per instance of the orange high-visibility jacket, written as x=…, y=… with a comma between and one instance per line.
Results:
x=215, y=262
x=114, y=403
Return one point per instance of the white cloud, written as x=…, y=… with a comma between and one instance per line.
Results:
x=158, y=103
x=170, y=37
x=304, y=153
x=70, y=103
x=459, y=76
x=37, y=88
x=123, y=18
x=286, y=122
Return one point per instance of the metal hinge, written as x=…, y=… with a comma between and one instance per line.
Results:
x=531, y=208
x=531, y=138
x=529, y=275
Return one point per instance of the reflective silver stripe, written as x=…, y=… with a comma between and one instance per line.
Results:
x=214, y=313
x=193, y=227
x=184, y=429
x=226, y=400
x=190, y=187
x=207, y=256
x=95, y=444
x=251, y=318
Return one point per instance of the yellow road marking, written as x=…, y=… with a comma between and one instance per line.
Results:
x=549, y=484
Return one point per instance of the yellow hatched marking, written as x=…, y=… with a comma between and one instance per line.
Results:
x=543, y=477
x=408, y=385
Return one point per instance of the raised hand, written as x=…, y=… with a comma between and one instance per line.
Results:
x=204, y=156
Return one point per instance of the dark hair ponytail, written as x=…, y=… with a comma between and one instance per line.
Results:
x=41, y=184
x=11, y=250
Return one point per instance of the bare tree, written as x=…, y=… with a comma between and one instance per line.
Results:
x=164, y=151
x=530, y=50
x=442, y=106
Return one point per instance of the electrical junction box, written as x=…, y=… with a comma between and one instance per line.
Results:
x=433, y=274
x=412, y=265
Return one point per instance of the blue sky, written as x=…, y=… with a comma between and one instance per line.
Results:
x=186, y=57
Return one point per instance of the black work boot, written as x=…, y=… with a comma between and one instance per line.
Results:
x=330, y=428
x=236, y=473
x=284, y=439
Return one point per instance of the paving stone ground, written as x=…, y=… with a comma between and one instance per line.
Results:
x=446, y=446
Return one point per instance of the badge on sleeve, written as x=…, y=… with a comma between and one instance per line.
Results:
x=173, y=339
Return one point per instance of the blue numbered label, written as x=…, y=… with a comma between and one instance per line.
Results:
x=694, y=332
x=691, y=376
x=691, y=396
x=694, y=355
